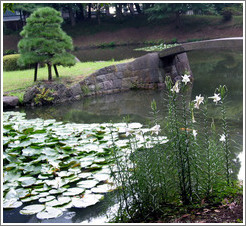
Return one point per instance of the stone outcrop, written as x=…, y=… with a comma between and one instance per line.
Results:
x=52, y=93
x=146, y=72
x=10, y=102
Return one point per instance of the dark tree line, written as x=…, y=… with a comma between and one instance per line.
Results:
x=78, y=12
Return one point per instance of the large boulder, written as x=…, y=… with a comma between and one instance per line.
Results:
x=144, y=72
x=10, y=102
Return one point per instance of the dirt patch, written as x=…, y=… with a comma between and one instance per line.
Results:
x=135, y=35
x=228, y=212
x=139, y=35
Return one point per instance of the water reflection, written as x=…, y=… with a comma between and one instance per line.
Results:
x=116, y=53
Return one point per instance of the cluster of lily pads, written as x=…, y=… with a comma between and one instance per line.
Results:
x=53, y=166
x=160, y=47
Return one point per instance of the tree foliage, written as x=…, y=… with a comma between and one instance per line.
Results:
x=8, y=6
x=44, y=41
x=160, y=11
x=78, y=12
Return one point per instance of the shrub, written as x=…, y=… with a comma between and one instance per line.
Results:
x=107, y=45
x=172, y=41
x=9, y=51
x=227, y=13
x=10, y=62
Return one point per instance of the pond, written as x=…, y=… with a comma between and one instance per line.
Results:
x=109, y=53
x=210, y=69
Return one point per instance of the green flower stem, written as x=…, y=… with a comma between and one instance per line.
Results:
x=226, y=143
x=187, y=141
x=207, y=148
x=122, y=180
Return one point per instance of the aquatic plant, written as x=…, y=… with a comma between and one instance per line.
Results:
x=44, y=96
x=160, y=47
x=185, y=162
x=58, y=165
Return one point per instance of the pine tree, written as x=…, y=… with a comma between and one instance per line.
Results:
x=45, y=42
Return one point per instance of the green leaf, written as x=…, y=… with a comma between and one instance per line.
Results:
x=32, y=209
x=27, y=181
x=48, y=213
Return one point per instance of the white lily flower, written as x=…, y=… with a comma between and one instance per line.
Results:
x=176, y=87
x=155, y=129
x=194, y=133
x=216, y=98
x=185, y=78
x=223, y=138
x=199, y=100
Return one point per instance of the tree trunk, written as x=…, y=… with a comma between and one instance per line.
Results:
x=118, y=8
x=24, y=18
x=89, y=11
x=81, y=15
x=107, y=10
x=56, y=71
x=138, y=8
x=21, y=18
x=178, y=20
x=36, y=72
x=98, y=13
x=49, y=71
x=71, y=16
x=131, y=8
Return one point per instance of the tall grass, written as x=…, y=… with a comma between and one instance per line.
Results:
x=192, y=163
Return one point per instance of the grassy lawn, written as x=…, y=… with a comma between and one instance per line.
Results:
x=18, y=81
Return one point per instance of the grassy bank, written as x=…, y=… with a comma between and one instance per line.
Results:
x=15, y=82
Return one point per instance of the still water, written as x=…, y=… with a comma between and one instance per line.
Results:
x=116, y=53
x=210, y=68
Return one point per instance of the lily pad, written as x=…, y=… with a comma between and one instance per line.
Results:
x=56, y=183
x=100, y=160
x=30, y=198
x=11, y=176
x=42, y=177
x=27, y=181
x=85, y=164
x=49, y=213
x=11, y=203
x=87, y=200
x=11, y=194
x=101, y=176
x=22, y=193
x=84, y=175
x=47, y=198
x=73, y=191
x=87, y=183
x=32, y=209
x=104, y=188
x=29, y=151
x=64, y=174
x=59, y=201
x=57, y=191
